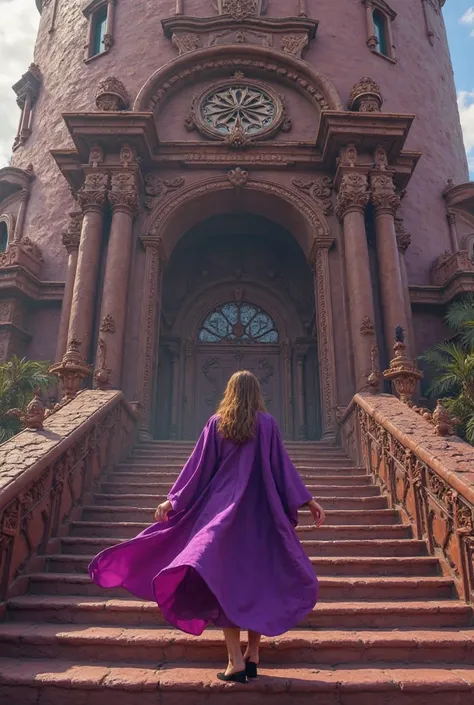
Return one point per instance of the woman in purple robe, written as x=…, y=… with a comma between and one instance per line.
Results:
x=224, y=550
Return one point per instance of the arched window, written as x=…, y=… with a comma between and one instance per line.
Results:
x=99, y=26
x=3, y=236
x=380, y=28
x=241, y=323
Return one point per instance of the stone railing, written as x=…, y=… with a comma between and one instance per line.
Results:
x=430, y=479
x=46, y=476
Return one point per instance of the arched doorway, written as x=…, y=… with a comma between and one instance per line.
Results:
x=237, y=294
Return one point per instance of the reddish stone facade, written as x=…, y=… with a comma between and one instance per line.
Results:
x=217, y=184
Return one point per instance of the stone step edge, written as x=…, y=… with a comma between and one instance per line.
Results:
x=97, y=604
x=174, y=677
x=304, y=512
x=322, y=560
x=76, y=634
x=324, y=581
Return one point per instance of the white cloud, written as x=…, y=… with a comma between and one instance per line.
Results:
x=18, y=27
x=468, y=18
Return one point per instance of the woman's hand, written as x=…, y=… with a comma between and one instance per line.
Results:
x=163, y=510
x=318, y=513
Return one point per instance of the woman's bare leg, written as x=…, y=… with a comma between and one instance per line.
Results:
x=234, y=650
x=253, y=649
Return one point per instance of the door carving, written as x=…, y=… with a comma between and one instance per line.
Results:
x=236, y=336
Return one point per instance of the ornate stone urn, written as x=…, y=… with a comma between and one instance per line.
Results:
x=403, y=372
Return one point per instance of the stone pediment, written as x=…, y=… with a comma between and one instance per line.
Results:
x=290, y=35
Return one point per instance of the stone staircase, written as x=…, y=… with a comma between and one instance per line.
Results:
x=389, y=628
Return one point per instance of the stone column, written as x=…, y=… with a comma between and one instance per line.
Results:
x=74, y=368
x=150, y=326
x=70, y=239
x=300, y=395
x=174, y=352
x=386, y=203
x=20, y=221
x=123, y=199
x=352, y=200
x=403, y=242
x=453, y=232
x=319, y=260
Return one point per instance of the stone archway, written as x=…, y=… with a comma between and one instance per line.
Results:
x=262, y=61
x=245, y=278
x=204, y=198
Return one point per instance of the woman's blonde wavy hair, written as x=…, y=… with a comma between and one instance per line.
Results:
x=239, y=407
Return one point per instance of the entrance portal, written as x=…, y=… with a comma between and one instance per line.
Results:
x=238, y=294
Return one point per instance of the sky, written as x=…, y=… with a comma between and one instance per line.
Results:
x=19, y=21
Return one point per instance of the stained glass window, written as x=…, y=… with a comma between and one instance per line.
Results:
x=246, y=107
x=238, y=323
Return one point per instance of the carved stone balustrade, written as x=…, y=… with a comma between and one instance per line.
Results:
x=46, y=474
x=25, y=254
x=448, y=265
x=430, y=479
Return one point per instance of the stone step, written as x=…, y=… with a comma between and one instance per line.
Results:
x=334, y=517
x=145, y=500
x=163, y=645
x=128, y=530
x=154, y=475
x=371, y=547
x=24, y=682
x=157, y=487
x=174, y=469
x=372, y=566
x=331, y=588
x=73, y=609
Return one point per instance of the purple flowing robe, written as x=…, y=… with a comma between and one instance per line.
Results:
x=229, y=553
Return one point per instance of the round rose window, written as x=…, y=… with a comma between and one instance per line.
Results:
x=249, y=108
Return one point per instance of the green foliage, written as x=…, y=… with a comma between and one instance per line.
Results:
x=18, y=380
x=453, y=366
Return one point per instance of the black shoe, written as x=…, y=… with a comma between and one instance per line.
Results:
x=251, y=670
x=240, y=677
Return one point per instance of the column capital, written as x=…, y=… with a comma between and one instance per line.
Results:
x=385, y=198
x=123, y=194
x=92, y=195
x=72, y=236
x=152, y=241
x=353, y=193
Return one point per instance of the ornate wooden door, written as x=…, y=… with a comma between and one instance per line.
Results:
x=236, y=336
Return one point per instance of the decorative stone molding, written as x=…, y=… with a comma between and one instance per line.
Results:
x=27, y=90
x=430, y=6
x=127, y=156
x=34, y=415
x=384, y=196
x=353, y=194
x=107, y=325
x=72, y=236
x=320, y=190
x=155, y=188
x=185, y=42
x=240, y=9
x=123, y=194
x=96, y=156
x=288, y=35
x=93, y=194
x=375, y=377
x=367, y=327
x=366, y=96
x=250, y=59
x=111, y=95
x=450, y=264
x=403, y=238
x=238, y=111
x=380, y=159
x=238, y=177
x=102, y=372
x=26, y=254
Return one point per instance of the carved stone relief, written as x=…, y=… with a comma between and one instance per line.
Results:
x=320, y=190
x=155, y=187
